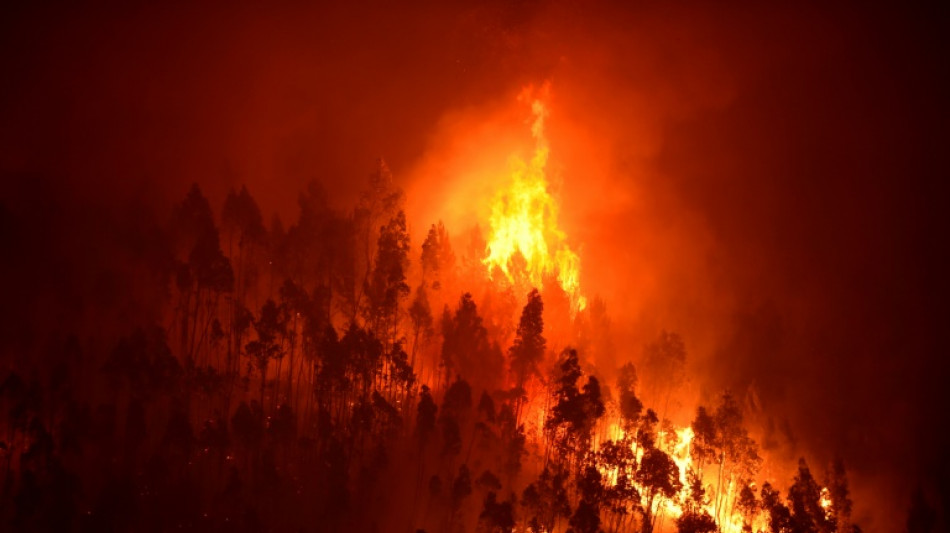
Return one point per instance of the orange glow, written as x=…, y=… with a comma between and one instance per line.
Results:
x=825, y=502
x=678, y=447
x=524, y=239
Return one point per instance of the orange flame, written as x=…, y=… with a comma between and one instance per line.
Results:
x=523, y=226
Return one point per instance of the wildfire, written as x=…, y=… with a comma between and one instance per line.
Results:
x=524, y=238
x=676, y=442
x=825, y=502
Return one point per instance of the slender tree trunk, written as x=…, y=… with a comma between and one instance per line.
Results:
x=732, y=507
x=263, y=382
x=280, y=363
x=211, y=311
x=194, y=328
x=185, y=307
x=290, y=368
x=722, y=461
x=229, y=360
x=310, y=396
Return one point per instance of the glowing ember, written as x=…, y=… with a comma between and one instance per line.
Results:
x=826, y=502
x=524, y=238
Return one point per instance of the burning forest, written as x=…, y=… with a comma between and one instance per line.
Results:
x=596, y=287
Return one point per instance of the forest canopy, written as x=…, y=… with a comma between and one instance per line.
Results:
x=332, y=376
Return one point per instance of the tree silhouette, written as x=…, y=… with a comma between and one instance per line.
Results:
x=456, y=406
x=425, y=419
x=497, y=517
x=586, y=517
x=621, y=498
x=659, y=476
x=839, y=493
x=204, y=275
x=696, y=522
x=571, y=421
x=437, y=259
x=804, y=497
x=780, y=518
x=268, y=325
x=156, y=421
x=241, y=220
x=465, y=347
x=748, y=504
x=665, y=358
x=527, y=351
x=630, y=405
x=420, y=315
x=461, y=490
x=379, y=203
x=546, y=500
x=386, y=286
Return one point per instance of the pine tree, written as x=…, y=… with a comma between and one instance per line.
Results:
x=387, y=285
x=528, y=349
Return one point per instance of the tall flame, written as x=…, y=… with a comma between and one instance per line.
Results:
x=523, y=226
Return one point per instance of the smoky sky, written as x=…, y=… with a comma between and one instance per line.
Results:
x=768, y=181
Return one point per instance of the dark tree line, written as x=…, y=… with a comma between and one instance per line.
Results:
x=333, y=376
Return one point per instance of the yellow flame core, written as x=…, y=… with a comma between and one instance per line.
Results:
x=826, y=502
x=680, y=451
x=523, y=222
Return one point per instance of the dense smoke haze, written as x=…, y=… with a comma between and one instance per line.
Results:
x=766, y=181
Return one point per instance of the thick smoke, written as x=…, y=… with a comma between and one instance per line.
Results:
x=763, y=181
